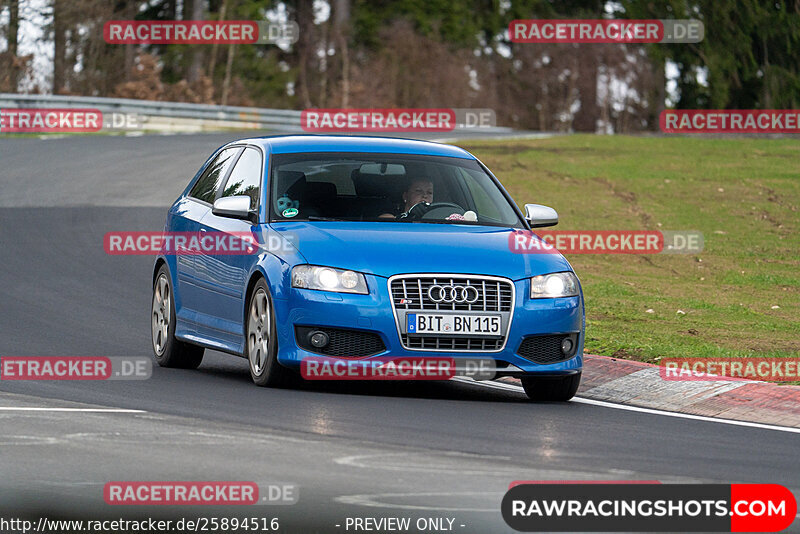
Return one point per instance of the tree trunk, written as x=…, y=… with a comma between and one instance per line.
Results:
x=60, y=45
x=767, y=103
x=130, y=50
x=345, y=72
x=198, y=7
x=305, y=42
x=586, y=117
x=341, y=36
x=215, y=47
x=660, y=94
x=226, y=84
x=13, y=39
x=325, y=65
x=186, y=9
x=171, y=9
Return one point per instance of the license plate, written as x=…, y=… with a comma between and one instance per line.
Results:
x=451, y=324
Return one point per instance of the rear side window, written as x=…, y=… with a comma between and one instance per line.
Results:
x=206, y=187
x=246, y=177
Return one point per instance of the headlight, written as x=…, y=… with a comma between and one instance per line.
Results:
x=328, y=279
x=548, y=286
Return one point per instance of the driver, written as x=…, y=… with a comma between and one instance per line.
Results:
x=419, y=190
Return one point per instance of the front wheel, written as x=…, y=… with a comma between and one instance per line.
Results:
x=169, y=351
x=548, y=388
x=261, y=345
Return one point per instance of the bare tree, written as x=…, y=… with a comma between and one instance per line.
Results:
x=341, y=36
x=215, y=47
x=13, y=41
x=130, y=52
x=585, y=119
x=60, y=8
x=226, y=84
x=197, y=10
x=304, y=13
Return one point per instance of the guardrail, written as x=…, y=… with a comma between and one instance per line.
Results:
x=182, y=117
x=167, y=116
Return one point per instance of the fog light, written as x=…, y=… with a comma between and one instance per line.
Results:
x=318, y=339
x=566, y=345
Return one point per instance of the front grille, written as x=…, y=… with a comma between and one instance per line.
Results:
x=546, y=349
x=451, y=343
x=343, y=343
x=410, y=295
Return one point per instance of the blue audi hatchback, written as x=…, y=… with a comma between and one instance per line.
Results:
x=367, y=247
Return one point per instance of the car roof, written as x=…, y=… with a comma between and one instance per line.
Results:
x=292, y=144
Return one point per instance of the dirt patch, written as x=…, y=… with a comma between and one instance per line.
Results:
x=628, y=354
x=629, y=198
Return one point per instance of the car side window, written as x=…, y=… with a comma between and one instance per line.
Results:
x=245, y=178
x=206, y=187
x=483, y=202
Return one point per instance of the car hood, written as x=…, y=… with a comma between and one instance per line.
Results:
x=389, y=248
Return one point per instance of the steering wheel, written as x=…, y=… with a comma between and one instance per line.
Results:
x=424, y=210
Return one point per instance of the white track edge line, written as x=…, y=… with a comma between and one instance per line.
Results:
x=651, y=411
x=42, y=409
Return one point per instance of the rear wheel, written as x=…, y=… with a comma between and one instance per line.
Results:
x=169, y=351
x=547, y=388
x=261, y=345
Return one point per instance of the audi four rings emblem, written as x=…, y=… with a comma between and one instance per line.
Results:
x=457, y=294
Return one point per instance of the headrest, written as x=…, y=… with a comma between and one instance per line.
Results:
x=376, y=185
x=319, y=191
x=292, y=183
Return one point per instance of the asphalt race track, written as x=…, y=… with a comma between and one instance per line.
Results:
x=354, y=449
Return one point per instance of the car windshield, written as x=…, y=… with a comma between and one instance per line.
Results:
x=387, y=188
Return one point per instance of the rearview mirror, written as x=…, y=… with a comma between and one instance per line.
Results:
x=384, y=169
x=539, y=216
x=237, y=207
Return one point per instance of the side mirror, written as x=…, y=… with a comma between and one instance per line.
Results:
x=539, y=216
x=237, y=207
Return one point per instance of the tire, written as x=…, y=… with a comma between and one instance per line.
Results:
x=168, y=350
x=560, y=388
x=261, y=341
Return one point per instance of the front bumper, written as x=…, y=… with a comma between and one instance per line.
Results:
x=373, y=313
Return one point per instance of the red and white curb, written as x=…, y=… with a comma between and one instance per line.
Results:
x=640, y=384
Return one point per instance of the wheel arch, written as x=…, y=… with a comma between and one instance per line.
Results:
x=276, y=275
x=257, y=275
x=157, y=267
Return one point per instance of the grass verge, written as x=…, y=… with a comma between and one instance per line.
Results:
x=739, y=297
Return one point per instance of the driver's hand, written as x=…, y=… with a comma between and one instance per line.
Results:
x=417, y=210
